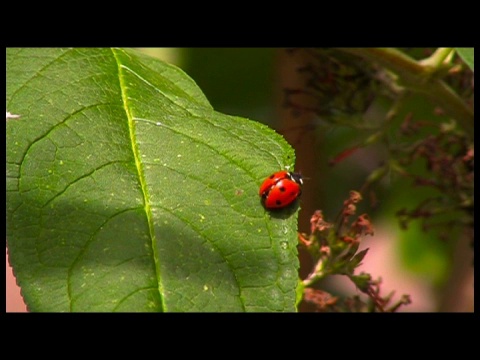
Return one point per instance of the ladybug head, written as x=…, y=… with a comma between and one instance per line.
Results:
x=297, y=177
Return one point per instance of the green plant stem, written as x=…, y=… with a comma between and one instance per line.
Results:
x=315, y=275
x=417, y=77
x=437, y=59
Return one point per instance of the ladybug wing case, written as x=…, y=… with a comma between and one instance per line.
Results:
x=283, y=193
x=270, y=182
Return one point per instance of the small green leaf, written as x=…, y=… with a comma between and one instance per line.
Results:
x=126, y=191
x=467, y=55
x=362, y=281
x=299, y=293
x=351, y=250
x=357, y=259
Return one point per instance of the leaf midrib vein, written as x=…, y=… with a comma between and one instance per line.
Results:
x=141, y=175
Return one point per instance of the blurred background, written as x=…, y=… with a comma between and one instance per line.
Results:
x=252, y=83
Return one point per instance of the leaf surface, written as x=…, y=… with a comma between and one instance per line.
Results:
x=467, y=54
x=126, y=191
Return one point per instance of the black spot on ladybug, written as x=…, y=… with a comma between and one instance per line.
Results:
x=282, y=188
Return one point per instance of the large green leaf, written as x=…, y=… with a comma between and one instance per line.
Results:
x=126, y=191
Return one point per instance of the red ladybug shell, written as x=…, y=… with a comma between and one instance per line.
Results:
x=281, y=189
x=271, y=181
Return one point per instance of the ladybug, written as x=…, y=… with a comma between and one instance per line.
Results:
x=281, y=189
